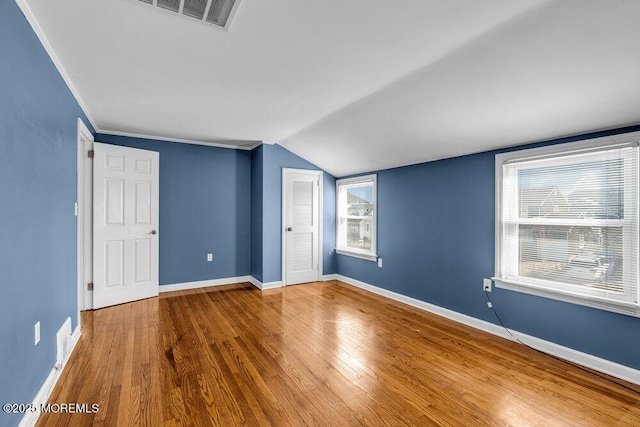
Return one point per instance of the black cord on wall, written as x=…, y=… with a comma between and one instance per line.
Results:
x=582, y=368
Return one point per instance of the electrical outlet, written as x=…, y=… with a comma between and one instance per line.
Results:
x=209, y=257
x=379, y=262
x=36, y=333
x=486, y=285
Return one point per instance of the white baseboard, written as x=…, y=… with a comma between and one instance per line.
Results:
x=611, y=368
x=29, y=419
x=255, y=282
x=220, y=282
x=264, y=286
x=272, y=285
x=204, y=284
x=327, y=277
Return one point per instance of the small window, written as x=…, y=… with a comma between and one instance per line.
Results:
x=567, y=222
x=356, y=217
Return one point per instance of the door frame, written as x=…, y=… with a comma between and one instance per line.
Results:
x=83, y=215
x=283, y=235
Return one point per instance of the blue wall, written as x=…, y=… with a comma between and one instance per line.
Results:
x=436, y=237
x=227, y=202
x=329, y=225
x=38, y=132
x=205, y=207
x=273, y=158
x=256, y=211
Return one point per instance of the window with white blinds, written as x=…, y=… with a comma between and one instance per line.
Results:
x=356, y=217
x=567, y=222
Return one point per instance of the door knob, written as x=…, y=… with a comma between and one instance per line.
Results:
x=289, y=229
x=154, y=232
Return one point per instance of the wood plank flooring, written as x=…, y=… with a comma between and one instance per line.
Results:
x=324, y=354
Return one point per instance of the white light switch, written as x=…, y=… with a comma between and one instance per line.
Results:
x=36, y=333
x=379, y=262
x=209, y=257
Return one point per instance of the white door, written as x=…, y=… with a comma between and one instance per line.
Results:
x=302, y=226
x=125, y=224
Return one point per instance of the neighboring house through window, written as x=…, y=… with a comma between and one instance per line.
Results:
x=567, y=222
x=356, y=217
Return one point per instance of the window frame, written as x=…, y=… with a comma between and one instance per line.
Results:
x=560, y=292
x=371, y=254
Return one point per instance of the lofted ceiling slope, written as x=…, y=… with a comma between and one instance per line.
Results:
x=353, y=86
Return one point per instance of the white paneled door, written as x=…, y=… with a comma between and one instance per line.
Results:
x=125, y=224
x=302, y=226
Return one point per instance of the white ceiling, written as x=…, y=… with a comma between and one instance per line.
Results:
x=354, y=85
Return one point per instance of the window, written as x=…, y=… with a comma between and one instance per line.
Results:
x=567, y=222
x=356, y=217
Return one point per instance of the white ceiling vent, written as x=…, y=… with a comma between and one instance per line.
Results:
x=217, y=12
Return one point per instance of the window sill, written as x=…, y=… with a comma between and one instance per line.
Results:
x=621, y=307
x=368, y=257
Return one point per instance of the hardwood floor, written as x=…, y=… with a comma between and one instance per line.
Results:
x=322, y=354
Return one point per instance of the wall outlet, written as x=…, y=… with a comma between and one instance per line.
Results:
x=36, y=333
x=209, y=257
x=379, y=262
x=63, y=343
x=486, y=285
